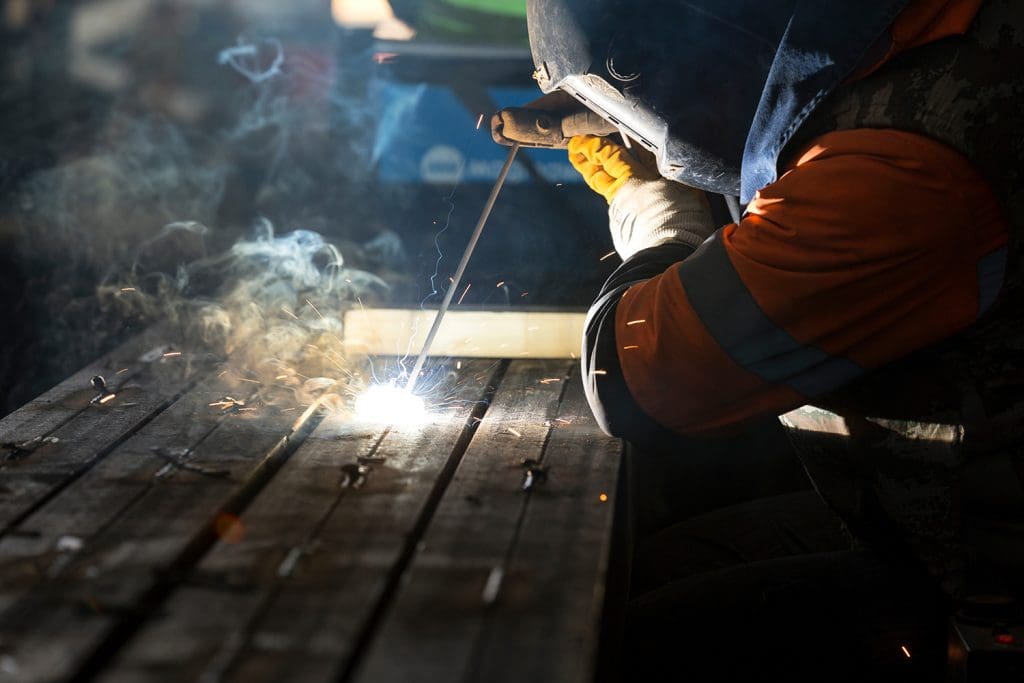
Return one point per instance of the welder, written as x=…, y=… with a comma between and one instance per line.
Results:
x=868, y=294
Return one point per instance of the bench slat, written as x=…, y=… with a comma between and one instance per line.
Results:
x=316, y=558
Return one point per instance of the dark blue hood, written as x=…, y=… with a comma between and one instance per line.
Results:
x=716, y=87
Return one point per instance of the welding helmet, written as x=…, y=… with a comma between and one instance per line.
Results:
x=682, y=78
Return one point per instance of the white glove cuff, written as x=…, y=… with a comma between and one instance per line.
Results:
x=648, y=213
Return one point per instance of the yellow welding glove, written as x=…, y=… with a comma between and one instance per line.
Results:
x=644, y=209
x=605, y=165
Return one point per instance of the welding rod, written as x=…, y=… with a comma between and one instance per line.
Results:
x=457, y=278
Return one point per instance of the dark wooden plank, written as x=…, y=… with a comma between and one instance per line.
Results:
x=551, y=594
x=161, y=518
x=75, y=433
x=430, y=633
x=320, y=547
x=50, y=410
x=40, y=544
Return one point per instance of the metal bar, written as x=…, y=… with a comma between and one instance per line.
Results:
x=457, y=278
x=733, y=203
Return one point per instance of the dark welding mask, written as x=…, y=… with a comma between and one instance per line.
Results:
x=682, y=78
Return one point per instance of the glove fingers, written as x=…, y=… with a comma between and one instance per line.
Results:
x=584, y=167
x=604, y=183
x=617, y=161
x=591, y=155
x=604, y=164
x=585, y=145
x=596, y=179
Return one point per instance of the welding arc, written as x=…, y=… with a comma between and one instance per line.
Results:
x=457, y=278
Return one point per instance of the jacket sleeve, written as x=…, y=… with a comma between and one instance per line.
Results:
x=610, y=400
x=874, y=244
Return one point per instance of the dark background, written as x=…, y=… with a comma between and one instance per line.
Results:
x=117, y=119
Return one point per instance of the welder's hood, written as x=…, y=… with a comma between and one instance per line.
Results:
x=714, y=87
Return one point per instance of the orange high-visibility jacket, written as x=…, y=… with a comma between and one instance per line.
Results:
x=872, y=244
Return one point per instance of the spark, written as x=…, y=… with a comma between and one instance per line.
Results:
x=172, y=354
x=464, y=293
x=599, y=372
x=287, y=565
x=905, y=651
x=229, y=404
x=493, y=585
x=500, y=284
x=121, y=371
x=479, y=121
x=285, y=309
x=387, y=404
x=128, y=289
x=636, y=322
x=384, y=57
x=603, y=498
x=607, y=256
x=458, y=365
x=315, y=309
x=513, y=432
x=524, y=294
x=630, y=347
x=550, y=380
x=107, y=398
x=228, y=527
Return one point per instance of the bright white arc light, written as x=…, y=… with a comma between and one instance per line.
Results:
x=390, y=405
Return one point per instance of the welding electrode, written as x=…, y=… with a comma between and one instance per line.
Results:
x=457, y=278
